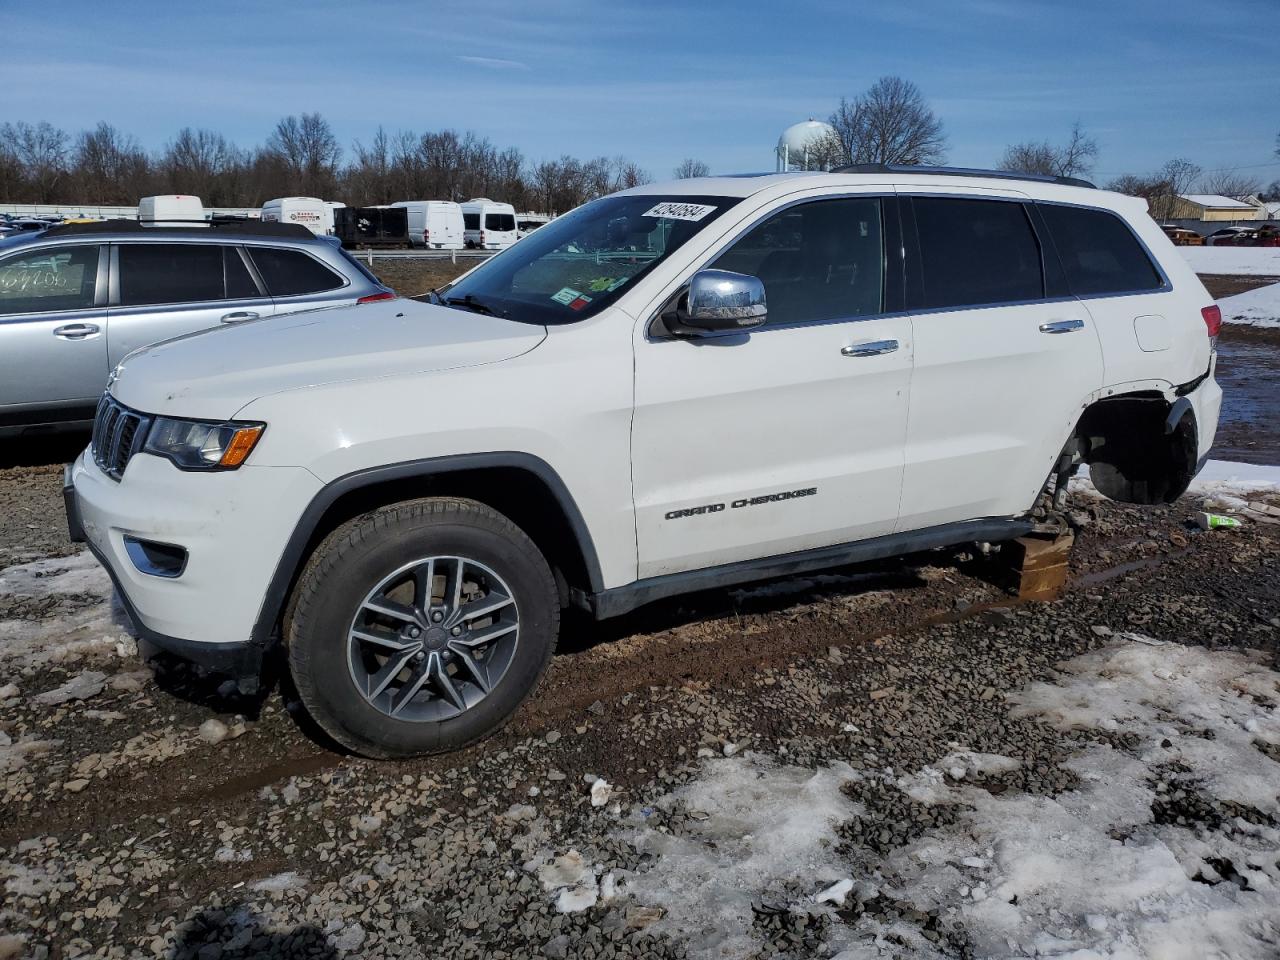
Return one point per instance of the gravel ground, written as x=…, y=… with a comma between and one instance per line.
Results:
x=155, y=813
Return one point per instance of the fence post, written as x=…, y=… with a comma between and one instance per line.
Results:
x=453, y=255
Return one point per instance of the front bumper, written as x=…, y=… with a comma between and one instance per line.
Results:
x=233, y=525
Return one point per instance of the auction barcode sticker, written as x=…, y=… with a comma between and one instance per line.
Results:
x=679, y=211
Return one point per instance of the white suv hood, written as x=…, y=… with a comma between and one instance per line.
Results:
x=212, y=374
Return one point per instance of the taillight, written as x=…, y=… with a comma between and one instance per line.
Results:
x=482, y=238
x=426, y=236
x=1212, y=319
x=375, y=297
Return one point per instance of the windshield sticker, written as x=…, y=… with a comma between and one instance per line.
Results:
x=581, y=301
x=617, y=283
x=600, y=283
x=566, y=295
x=679, y=211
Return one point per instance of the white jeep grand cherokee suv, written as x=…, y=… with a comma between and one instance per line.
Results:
x=676, y=387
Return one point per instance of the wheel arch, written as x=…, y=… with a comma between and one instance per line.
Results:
x=1141, y=447
x=521, y=486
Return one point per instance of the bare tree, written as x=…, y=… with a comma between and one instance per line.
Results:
x=890, y=123
x=110, y=167
x=690, y=168
x=1226, y=183
x=41, y=148
x=309, y=150
x=1074, y=158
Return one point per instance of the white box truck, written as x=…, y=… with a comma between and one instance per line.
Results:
x=171, y=208
x=434, y=224
x=489, y=225
x=310, y=212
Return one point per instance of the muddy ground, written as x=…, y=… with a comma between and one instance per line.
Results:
x=130, y=828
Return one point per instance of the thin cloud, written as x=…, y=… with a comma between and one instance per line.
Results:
x=495, y=62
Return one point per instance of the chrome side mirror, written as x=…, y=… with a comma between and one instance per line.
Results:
x=720, y=300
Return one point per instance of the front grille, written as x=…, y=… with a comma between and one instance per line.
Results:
x=118, y=433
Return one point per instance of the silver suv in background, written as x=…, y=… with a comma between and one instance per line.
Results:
x=76, y=299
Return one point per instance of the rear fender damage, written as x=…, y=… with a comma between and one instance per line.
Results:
x=1141, y=448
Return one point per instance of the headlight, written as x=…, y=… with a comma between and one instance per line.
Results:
x=202, y=445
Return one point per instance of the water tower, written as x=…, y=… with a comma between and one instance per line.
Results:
x=801, y=146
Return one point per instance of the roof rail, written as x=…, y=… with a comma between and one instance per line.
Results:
x=963, y=172
x=231, y=224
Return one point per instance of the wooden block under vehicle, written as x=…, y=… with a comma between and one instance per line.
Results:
x=1038, y=565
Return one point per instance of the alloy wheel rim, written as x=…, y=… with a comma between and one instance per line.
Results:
x=433, y=638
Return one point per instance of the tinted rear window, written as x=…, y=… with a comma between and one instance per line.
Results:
x=499, y=221
x=1099, y=252
x=976, y=252
x=471, y=221
x=289, y=273
x=153, y=273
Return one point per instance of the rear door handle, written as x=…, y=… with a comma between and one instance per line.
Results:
x=1062, y=326
x=872, y=349
x=239, y=316
x=76, y=331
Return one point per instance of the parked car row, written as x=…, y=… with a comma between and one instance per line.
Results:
x=1267, y=235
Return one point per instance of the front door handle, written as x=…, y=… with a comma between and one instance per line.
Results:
x=1062, y=326
x=239, y=316
x=76, y=331
x=872, y=349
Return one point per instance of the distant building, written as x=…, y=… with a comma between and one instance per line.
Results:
x=1213, y=207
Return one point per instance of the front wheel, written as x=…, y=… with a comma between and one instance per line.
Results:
x=420, y=628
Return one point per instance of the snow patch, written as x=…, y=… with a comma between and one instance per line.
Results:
x=755, y=829
x=1234, y=261
x=97, y=628
x=1259, y=307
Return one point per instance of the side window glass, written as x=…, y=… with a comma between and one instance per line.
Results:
x=1099, y=252
x=239, y=281
x=818, y=261
x=157, y=273
x=976, y=252
x=52, y=278
x=288, y=273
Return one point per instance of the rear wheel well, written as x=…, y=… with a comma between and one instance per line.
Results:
x=1134, y=454
x=518, y=494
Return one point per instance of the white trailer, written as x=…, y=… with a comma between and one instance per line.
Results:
x=434, y=224
x=311, y=212
x=171, y=208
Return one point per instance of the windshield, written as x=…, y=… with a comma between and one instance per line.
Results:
x=578, y=264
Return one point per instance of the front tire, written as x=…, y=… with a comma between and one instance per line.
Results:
x=420, y=628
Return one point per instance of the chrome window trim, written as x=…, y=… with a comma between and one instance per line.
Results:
x=878, y=193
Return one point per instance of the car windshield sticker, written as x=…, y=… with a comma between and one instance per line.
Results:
x=600, y=283
x=617, y=283
x=679, y=211
x=566, y=295
x=581, y=301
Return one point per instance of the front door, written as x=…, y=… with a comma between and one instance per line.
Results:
x=53, y=344
x=165, y=290
x=789, y=437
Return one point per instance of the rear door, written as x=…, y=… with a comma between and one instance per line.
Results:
x=1005, y=359
x=53, y=344
x=164, y=290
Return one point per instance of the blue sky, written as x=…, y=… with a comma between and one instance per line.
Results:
x=659, y=81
